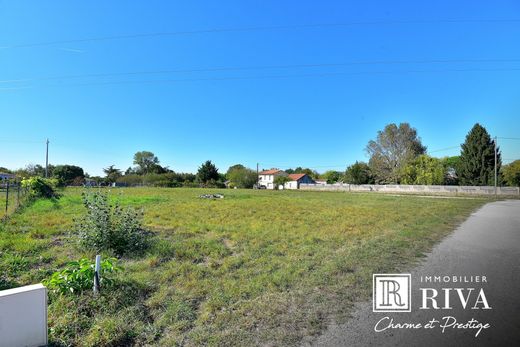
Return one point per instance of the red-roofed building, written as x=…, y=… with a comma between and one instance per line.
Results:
x=297, y=179
x=266, y=179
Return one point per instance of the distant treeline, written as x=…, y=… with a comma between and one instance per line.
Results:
x=397, y=156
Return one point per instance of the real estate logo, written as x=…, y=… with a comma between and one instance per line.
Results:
x=392, y=293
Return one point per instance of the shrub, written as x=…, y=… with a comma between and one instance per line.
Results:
x=280, y=181
x=39, y=187
x=79, y=276
x=111, y=228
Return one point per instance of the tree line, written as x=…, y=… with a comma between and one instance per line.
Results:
x=396, y=156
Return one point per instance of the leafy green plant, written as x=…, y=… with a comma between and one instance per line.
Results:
x=112, y=228
x=78, y=276
x=39, y=187
x=280, y=181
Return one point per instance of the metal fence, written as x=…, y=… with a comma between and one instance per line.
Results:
x=12, y=196
x=415, y=189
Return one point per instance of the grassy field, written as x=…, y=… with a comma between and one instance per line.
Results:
x=255, y=268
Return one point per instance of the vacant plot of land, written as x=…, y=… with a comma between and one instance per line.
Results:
x=256, y=267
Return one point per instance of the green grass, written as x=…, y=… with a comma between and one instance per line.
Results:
x=255, y=268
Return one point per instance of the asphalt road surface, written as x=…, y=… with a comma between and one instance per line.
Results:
x=486, y=244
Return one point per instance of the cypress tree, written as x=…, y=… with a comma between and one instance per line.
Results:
x=477, y=159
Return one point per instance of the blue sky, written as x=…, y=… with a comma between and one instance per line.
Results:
x=441, y=66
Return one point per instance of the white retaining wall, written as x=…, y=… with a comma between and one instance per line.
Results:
x=23, y=316
x=402, y=188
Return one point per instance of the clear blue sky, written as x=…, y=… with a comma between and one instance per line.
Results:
x=439, y=65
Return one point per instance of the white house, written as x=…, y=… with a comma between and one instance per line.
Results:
x=266, y=178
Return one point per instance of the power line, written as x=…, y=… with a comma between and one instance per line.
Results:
x=20, y=141
x=262, y=67
x=261, y=28
x=266, y=77
x=444, y=149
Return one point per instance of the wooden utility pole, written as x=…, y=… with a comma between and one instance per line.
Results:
x=47, y=160
x=7, y=197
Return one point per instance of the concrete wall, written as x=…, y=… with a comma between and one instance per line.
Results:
x=23, y=316
x=415, y=189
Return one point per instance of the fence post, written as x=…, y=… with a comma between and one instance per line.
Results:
x=7, y=198
x=96, y=274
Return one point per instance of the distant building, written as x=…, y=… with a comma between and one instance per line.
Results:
x=297, y=179
x=266, y=178
x=6, y=176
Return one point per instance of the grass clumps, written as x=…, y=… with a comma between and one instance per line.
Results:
x=107, y=227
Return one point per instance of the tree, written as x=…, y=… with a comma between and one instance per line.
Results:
x=112, y=174
x=207, y=172
x=512, y=173
x=147, y=163
x=280, y=180
x=358, y=173
x=68, y=174
x=477, y=159
x=241, y=177
x=332, y=176
x=32, y=170
x=424, y=170
x=393, y=148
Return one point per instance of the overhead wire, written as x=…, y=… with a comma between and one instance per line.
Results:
x=257, y=28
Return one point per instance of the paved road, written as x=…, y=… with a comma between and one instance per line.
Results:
x=486, y=244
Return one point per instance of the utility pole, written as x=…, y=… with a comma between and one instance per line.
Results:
x=47, y=160
x=495, y=166
x=257, y=177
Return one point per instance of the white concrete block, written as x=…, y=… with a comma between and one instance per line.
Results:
x=23, y=316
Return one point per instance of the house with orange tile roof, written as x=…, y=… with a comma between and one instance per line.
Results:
x=266, y=179
x=297, y=179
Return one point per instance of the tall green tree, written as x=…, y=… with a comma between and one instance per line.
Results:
x=424, y=170
x=332, y=176
x=207, y=172
x=147, y=163
x=477, y=158
x=241, y=177
x=394, y=147
x=68, y=174
x=358, y=173
x=511, y=173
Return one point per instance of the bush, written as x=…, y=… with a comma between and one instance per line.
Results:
x=79, y=276
x=111, y=228
x=39, y=187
